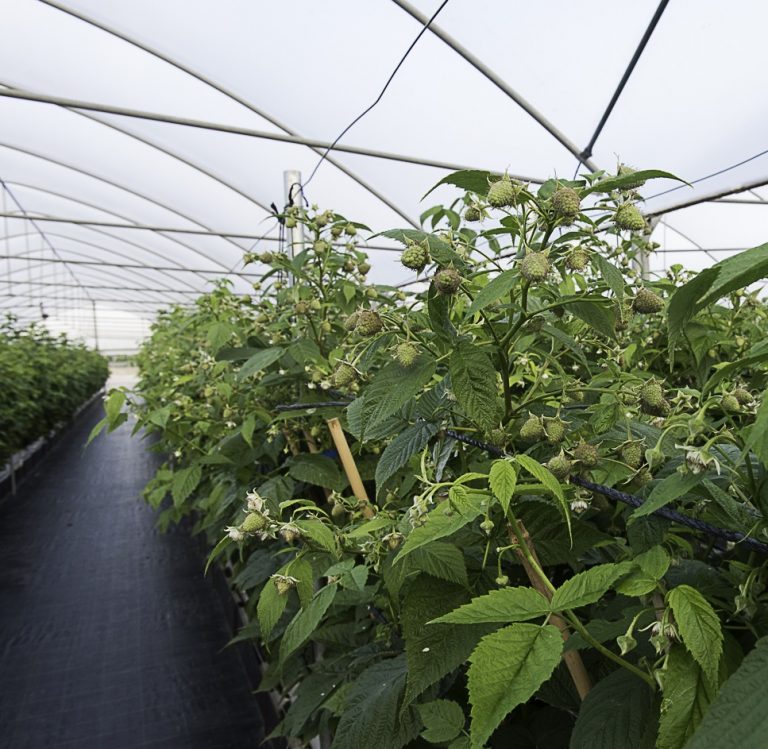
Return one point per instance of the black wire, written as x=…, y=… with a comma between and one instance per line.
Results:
x=709, y=176
x=379, y=97
x=587, y=152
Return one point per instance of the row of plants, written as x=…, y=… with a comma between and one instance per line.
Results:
x=472, y=592
x=45, y=379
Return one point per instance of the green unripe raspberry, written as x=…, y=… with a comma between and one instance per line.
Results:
x=301, y=308
x=344, y=375
x=497, y=437
x=338, y=510
x=730, y=404
x=555, y=429
x=349, y=265
x=254, y=521
x=415, y=257
x=532, y=430
x=320, y=246
x=560, y=466
x=631, y=453
x=577, y=259
x=283, y=583
x=364, y=268
x=624, y=312
x=326, y=326
x=472, y=214
x=652, y=399
x=502, y=581
x=586, y=454
x=350, y=230
x=628, y=217
x=625, y=171
x=647, y=303
x=336, y=231
x=266, y=257
x=502, y=193
x=371, y=293
x=323, y=219
x=534, y=267
x=447, y=281
x=487, y=526
x=368, y=322
x=744, y=397
x=566, y=203
x=351, y=321
x=406, y=353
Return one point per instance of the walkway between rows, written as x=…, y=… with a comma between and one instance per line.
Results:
x=109, y=634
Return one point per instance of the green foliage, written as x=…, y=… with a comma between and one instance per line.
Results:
x=44, y=380
x=437, y=598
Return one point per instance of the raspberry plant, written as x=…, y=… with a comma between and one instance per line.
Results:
x=479, y=595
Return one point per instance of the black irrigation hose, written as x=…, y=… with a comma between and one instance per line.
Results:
x=633, y=501
x=606, y=491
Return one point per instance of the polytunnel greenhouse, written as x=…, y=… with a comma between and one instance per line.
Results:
x=383, y=374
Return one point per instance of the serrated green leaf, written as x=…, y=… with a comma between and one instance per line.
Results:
x=444, y=520
x=621, y=182
x=269, y=608
x=259, y=361
x=392, y=387
x=472, y=180
x=503, y=479
x=219, y=333
x=757, y=441
x=441, y=560
x=249, y=424
x=367, y=528
x=411, y=441
x=596, y=315
x=184, y=483
x=443, y=720
x=617, y=714
x=371, y=717
x=545, y=476
x=699, y=627
x=506, y=669
x=435, y=650
x=502, y=606
x=320, y=533
x=612, y=276
x=667, y=490
x=738, y=715
x=687, y=694
x=588, y=587
x=305, y=622
x=316, y=469
x=497, y=287
x=220, y=546
x=473, y=379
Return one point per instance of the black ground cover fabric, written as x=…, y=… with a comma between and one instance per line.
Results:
x=109, y=634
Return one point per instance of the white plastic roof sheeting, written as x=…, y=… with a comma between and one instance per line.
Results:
x=692, y=106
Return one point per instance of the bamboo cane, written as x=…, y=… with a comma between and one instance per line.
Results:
x=350, y=468
x=572, y=658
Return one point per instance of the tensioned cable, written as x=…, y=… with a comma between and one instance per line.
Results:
x=587, y=152
x=379, y=97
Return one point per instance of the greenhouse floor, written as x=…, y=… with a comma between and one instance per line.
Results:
x=109, y=634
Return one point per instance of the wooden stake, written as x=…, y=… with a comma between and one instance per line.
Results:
x=572, y=658
x=350, y=468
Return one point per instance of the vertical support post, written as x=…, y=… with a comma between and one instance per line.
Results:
x=292, y=183
x=95, y=326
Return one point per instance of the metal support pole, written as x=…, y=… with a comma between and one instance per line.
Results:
x=95, y=326
x=293, y=196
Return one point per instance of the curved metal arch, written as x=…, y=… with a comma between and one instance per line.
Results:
x=48, y=278
x=129, y=190
x=89, y=257
x=42, y=263
x=497, y=80
x=103, y=210
x=230, y=95
x=92, y=276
